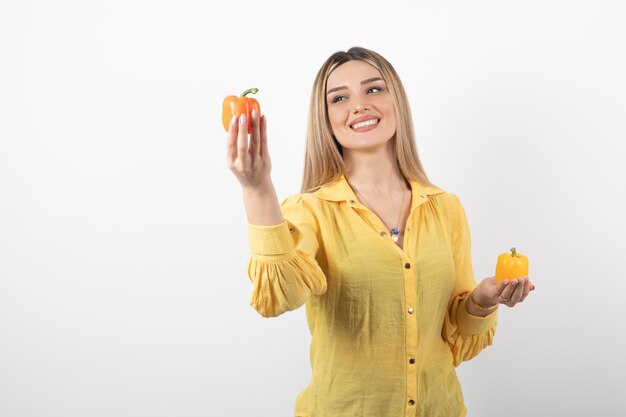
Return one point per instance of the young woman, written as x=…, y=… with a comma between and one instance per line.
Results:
x=378, y=254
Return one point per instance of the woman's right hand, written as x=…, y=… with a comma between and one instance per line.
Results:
x=249, y=159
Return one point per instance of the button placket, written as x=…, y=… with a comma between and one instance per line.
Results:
x=410, y=288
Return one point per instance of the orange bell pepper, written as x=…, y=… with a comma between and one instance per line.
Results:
x=511, y=265
x=234, y=105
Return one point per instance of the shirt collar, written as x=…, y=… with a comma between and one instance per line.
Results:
x=340, y=190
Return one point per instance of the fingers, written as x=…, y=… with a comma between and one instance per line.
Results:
x=507, y=291
x=528, y=287
x=242, y=141
x=237, y=144
x=515, y=292
x=263, y=152
x=500, y=286
x=243, y=149
x=519, y=290
x=231, y=142
x=255, y=134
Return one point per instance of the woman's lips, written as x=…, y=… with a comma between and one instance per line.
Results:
x=365, y=125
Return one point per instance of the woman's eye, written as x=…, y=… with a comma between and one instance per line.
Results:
x=337, y=99
x=374, y=89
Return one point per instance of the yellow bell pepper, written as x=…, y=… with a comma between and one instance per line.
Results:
x=511, y=265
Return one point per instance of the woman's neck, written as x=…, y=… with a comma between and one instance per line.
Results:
x=374, y=172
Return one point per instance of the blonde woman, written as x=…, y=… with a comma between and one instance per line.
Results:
x=379, y=256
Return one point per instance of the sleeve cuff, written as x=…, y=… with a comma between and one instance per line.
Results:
x=469, y=324
x=270, y=240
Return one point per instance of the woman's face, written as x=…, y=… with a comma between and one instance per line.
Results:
x=360, y=108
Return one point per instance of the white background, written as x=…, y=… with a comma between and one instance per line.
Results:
x=123, y=239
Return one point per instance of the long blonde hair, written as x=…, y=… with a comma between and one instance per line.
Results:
x=323, y=161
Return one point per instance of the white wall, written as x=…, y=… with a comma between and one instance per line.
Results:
x=122, y=233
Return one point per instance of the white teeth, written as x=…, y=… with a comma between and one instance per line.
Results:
x=365, y=123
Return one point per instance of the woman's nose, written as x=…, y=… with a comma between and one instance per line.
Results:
x=360, y=107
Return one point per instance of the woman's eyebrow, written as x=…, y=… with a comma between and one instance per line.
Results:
x=343, y=87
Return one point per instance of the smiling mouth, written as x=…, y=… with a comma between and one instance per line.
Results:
x=364, y=124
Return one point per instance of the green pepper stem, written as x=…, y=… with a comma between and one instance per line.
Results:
x=513, y=252
x=248, y=91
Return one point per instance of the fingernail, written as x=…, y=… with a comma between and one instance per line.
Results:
x=254, y=114
x=233, y=121
x=242, y=119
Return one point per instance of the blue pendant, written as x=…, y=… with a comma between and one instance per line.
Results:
x=395, y=234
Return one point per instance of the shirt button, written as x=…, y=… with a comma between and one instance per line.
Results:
x=411, y=402
x=352, y=202
x=411, y=310
x=407, y=265
x=411, y=360
x=383, y=234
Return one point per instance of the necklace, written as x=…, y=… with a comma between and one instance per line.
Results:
x=395, y=231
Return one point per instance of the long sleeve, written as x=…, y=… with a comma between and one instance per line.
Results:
x=282, y=265
x=466, y=334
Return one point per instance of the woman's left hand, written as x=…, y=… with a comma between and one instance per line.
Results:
x=508, y=292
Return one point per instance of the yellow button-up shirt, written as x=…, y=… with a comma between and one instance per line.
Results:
x=388, y=324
